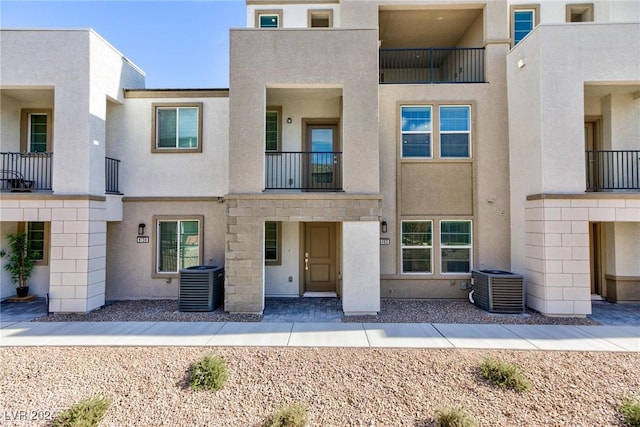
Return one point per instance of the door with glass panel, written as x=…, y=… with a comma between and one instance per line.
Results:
x=322, y=169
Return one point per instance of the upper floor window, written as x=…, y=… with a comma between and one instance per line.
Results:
x=580, y=12
x=36, y=131
x=320, y=18
x=523, y=21
x=177, y=128
x=272, y=129
x=268, y=18
x=416, y=131
x=455, y=131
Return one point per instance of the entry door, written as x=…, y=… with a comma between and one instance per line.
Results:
x=320, y=257
x=322, y=164
x=591, y=143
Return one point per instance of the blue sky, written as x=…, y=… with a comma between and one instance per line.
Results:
x=179, y=44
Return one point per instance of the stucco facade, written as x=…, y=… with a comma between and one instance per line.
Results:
x=364, y=149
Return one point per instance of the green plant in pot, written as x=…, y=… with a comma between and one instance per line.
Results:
x=20, y=263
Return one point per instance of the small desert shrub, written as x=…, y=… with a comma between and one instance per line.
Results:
x=454, y=417
x=209, y=373
x=86, y=413
x=504, y=374
x=288, y=416
x=630, y=410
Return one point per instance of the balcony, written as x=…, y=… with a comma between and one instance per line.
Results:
x=431, y=65
x=112, y=175
x=25, y=172
x=303, y=171
x=613, y=170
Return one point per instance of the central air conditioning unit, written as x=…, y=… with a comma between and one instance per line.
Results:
x=498, y=291
x=201, y=288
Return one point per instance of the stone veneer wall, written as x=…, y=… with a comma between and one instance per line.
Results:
x=246, y=214
x=77, y=257
x=558, y=277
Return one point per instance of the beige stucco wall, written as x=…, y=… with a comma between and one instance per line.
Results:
x=144, y=173
x=84, y=70
x=486, y=187
x=262, y=59
x=546, y=107
x=130, y=264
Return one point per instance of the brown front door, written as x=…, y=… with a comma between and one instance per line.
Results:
x=320, y=257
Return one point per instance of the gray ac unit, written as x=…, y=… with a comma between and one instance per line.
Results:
x=498, y=291
x=201, y=288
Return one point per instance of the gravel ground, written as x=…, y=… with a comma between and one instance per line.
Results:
x=392, y=311
x=340, y=386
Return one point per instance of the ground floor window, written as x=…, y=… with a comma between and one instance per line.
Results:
x=37, y=240
x=455, y=246
x=272, y=233
x=178, y=244
x=451, y=246
x=417, y=242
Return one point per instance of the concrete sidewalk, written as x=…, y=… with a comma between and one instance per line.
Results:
x=389, y=335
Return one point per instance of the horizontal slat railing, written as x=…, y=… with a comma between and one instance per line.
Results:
x=112, y=175
x=300, y=170
x=26, y=171
x=609, y=170
x=431, y=65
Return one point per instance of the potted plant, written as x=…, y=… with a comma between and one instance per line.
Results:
x=20, y=263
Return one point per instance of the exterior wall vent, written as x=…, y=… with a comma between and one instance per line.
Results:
x=498, y=291
x=201, y=288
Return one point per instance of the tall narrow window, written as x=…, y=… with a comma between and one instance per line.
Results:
x=37, y=133
x=177, y=128
x=524, y=20
x=272, y=248
x=417, y=242
x=455, y=246
x=455, y=131
x=272, y=130
x=416, y=131
x=178, y=245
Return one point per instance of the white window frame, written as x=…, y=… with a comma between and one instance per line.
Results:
x=534, y=20
x=278, y=111
x=413, y=132
x=278, y=240
x=467, y=132
x=161, y=219
x=277, y=13
x=443, y=246
x=403, y=247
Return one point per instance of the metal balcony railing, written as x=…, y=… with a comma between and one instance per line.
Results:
x=112, y=175
x=303, y=170
x=25, y=171
x=431, y=65
x=609, y=170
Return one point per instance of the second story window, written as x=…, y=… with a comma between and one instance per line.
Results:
x=455, y=131
x=268, y=18
x=416, y=131
x=177, y=128
x=523, y=21
x=36, y=131
x=272, y=129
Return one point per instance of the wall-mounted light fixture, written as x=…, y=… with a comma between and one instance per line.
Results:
x=289, y=120
x=383, y=226
x=141, y=227
x=521, y=63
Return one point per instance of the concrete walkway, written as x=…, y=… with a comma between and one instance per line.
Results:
x=282, y=334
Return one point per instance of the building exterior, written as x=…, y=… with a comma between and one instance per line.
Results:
x=368, y=149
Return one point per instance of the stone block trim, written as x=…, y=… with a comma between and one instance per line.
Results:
x=557, y=246
x=246, y=214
